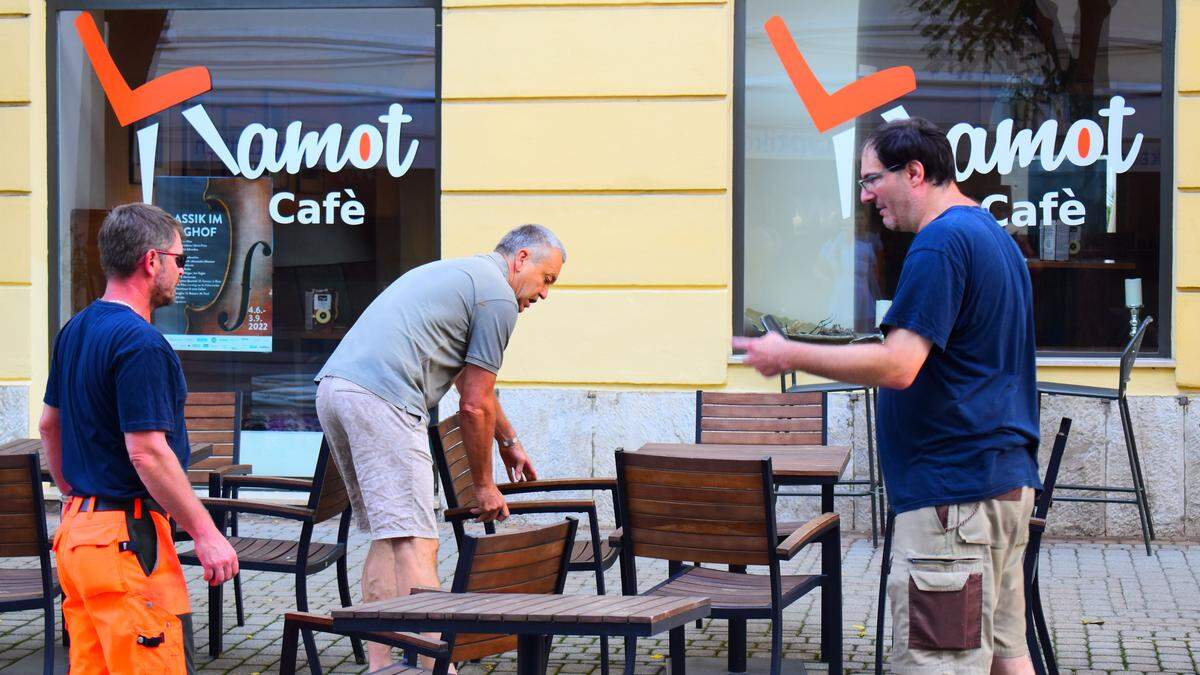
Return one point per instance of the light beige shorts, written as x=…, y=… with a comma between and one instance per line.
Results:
x=957, y=585
x=383, y=454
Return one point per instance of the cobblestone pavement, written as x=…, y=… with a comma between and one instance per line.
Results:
x=1112, y=610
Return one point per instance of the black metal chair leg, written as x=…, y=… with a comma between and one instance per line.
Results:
x=1031, y=635
x=66, y=638
x=678, y=651
x=873, y=488
x=777, y=642
x=1043, y=631
x=310, y=645
x=215, y=631
x=736, y=661
x=1138, y=489
x=237, y=599
x=885, y=567
x=1135, y=466
x=594, y=528
x=343, y=579
x=48, y=643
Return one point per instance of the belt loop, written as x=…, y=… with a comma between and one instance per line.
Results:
x=137, y=508
x=92, y=505
x=73, y=505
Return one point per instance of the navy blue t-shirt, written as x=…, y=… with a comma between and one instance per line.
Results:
x=112, y=373
x=967, y=427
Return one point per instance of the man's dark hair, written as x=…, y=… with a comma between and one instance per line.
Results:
x=914, y=139
x=128, y=232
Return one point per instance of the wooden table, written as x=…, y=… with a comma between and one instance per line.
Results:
x=200, y=452
x=530, y=617
x=792, y=464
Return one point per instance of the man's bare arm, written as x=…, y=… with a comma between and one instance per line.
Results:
x=477, y=410
x=50, y=427
x=893, y=364
x=159, y=470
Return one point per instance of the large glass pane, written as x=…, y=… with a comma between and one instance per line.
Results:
x=305, y=178
x=1056, y=114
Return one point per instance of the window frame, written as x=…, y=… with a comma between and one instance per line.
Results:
x=53, y=7
x=1166, y=275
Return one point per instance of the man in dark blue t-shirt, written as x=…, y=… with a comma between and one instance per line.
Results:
x=957, y=418
x=113, y=431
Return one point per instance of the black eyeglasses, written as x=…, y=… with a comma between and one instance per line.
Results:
x=868, y=180
x=180, y=258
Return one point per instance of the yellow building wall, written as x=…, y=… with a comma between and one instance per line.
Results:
x=1187, y=198
x=24, y=294
x=610, y=121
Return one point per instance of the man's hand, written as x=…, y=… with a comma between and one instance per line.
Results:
x=517, y=463
x=768, y=354
x=217, y=557
x=489, y=504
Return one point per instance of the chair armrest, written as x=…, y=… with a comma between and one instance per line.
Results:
x=532, y=506
x=419, y=643
x=261, y=508
x=426, y=589
x=271, y=482
x=806, y=533
x=1037, y=525
x=556, y=484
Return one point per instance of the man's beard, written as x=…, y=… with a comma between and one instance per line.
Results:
x=162, y=295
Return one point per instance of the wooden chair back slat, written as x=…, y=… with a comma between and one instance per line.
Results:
x=215, y=417
x=760, y=418
x=22, y=513
x=453, y=467
x=712, y=510
x=331, y=499
x=526, y=561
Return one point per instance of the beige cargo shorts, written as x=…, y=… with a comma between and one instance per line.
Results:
x=383, y=454
x=957, y=587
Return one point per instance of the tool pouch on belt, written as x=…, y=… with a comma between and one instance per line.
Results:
x=143, y=540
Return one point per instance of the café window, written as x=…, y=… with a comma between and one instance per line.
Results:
x=297, y=147
x=1060, y=126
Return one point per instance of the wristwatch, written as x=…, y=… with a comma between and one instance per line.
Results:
x=508, y=443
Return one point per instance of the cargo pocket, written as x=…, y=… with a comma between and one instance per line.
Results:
x=91, y=548
x=158, y=638
x=945, y=608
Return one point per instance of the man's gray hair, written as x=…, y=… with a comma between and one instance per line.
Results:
x=128, y=232
x=532, y=237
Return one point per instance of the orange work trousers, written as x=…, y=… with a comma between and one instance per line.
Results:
x=126, y=604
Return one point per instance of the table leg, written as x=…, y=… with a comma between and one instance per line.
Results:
x=827, y=498
x=529, y=655
x=737, y=636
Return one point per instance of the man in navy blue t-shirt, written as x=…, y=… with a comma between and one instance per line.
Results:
x=113, y=431
x=957, y=418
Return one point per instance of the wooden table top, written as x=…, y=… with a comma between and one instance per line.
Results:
x=787, y=461
x=200, y=451
x=513, y=609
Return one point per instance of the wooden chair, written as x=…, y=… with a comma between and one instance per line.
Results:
x=723, y=511
x=524, y=561
x=450, y=455
x=788, y=418
x=1037, y=631
x=216, y=417
x=326, y=499
x=23, y=535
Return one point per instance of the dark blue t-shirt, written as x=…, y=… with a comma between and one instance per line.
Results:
x=112, y=373
x=967, y=427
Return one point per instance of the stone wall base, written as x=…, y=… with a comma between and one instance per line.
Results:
x=574, y=432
